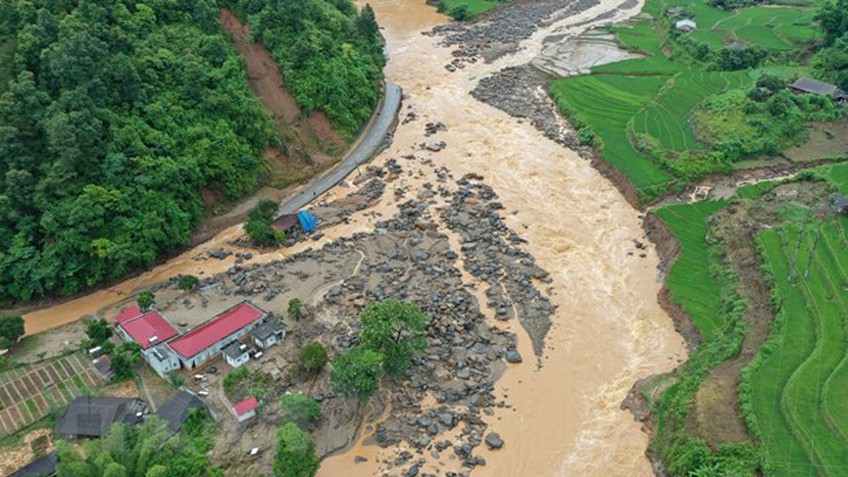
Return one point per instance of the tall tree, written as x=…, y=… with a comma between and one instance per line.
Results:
x=295, y=453
x=396, y=330
x=11, y=330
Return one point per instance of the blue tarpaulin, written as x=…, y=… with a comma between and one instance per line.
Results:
x=307, y=221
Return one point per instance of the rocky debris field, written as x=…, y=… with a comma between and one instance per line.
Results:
x=501, y=32
x=492, y=254
x=520, y=92
x=409, y=257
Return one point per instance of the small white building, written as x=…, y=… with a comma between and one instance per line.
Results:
x=268, y=334
x=685, y=26
x=244, y=410
x=236, y=354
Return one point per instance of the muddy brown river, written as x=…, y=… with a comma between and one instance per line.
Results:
x=609, y=331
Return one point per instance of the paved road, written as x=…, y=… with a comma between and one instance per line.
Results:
x=368, y=144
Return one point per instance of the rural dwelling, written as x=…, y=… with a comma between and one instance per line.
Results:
x=286, y=223
x=685, y=26
x=103, y=365
x=176, y=410
x=244, y=410
x=92, y=416
x=236, y=354
x=811, y=86
x=150, y=330
x=207, y=340
x=268, y=334
x=676, y=12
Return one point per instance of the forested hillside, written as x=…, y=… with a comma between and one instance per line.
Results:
x=329, y=55
x=114, y=115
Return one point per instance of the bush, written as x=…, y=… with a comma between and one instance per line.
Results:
x=357, y=373
x=300, y=409
x=295, y=308
x=234, y=378
x=145, y=299
x=188, y=282
x=98, y=331
x=259, y=226
x=11, y=330
x=295, y=453
x=313, y=357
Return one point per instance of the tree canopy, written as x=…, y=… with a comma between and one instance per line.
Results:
x=115, y=116
x=142, y=451
x=396, y=330
x=331, y=56
x=259, y=224
x=295, y=453
x=831, y=63
x=11, y=329
x=357, y=373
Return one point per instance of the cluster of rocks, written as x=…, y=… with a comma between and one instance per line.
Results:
x=492, y=253
x=520, y=92
x=433, y=128
x=503, y=30
x=408, y=258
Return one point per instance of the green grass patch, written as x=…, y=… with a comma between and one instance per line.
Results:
x=33, y=408
x=63, y=388
x=473, y=8
x=78, y=382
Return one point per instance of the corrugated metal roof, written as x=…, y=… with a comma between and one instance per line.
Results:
x=245, y=406
x=128, y=314
x=147, y=326
x=227, y=323
x=809, y=85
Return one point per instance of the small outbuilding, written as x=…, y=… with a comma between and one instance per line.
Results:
x=176, y=410
x=286, y=223
x=812, y=86
x=685, y=26
x=93, y=416
x=676, y=12
x=268, y=334
x=236, y=354
x=244, y=410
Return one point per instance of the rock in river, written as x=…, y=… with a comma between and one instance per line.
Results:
x=494, y=441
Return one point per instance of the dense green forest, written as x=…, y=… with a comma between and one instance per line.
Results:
x=115, y=115
x=330, y=56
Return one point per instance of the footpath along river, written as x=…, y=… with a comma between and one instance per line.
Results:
x=609, y=330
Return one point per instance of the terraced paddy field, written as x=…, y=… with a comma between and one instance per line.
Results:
x=664, y=120
x=792, y=395
x=777, y=28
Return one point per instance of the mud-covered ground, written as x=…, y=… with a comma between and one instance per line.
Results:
x=433, y=252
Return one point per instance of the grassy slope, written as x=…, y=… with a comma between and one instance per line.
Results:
x=475, y=7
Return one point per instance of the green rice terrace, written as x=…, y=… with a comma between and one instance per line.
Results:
x=674, y=115
x=790, y=370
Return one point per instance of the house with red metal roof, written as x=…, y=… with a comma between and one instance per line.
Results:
x=245, y=409
x=150, y=330
x=208, y=339
x=165, y=349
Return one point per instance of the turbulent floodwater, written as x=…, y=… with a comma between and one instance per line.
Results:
x=608, y=331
